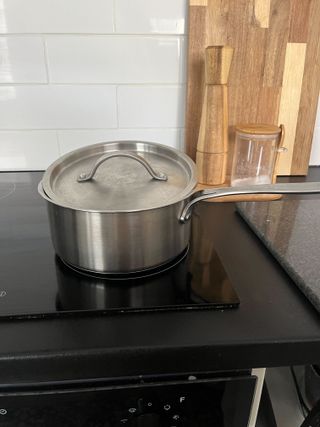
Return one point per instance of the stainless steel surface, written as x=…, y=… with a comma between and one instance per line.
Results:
x=292, y=188
x=122, y=184
x=117, y=242
x=123, y=221
x=156, y=175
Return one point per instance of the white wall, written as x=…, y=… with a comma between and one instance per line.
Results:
x=315, y=152
x=76, y=72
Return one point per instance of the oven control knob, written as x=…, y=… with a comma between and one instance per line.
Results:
x=147, y=420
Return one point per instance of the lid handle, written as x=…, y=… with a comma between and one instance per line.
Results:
x=83, y=177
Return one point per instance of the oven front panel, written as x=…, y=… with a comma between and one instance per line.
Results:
x=224, y=402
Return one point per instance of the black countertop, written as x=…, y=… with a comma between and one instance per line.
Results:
x=290, y=229
x=275, y=325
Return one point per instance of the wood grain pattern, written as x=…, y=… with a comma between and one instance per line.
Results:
x=217, y=20
x=268, y=105
x=258, y=104
x=195, y=78
x=277, y=38
x=212, y=148
x=211, y=168
x=309, y=95
x=217, y=64
x=198, y=2
x=257, y=69
x=213, y=133
x=262, y=12
x=299, y=22
x=248, y=43
x=290, y=100
x=236, y=37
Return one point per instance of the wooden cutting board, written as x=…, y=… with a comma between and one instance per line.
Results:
x=275, y=72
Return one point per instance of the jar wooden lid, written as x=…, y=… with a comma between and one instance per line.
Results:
x=258, y=129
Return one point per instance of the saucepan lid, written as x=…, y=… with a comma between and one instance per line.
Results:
x=120, y=176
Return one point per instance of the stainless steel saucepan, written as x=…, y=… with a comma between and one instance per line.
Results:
x=126, y=206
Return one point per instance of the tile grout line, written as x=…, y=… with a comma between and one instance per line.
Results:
x=114, y=26
x=90, y=129
x=58, y=142
x=179, y=144
x=52, y=83
x=117, y=105
x=182, y=62
x=113, y=34
x=46, y=63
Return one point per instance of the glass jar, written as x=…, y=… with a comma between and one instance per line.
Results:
x=255, y=153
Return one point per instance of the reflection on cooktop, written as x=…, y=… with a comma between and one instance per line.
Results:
x=86, y=291
x=36, y=283
x=171, y=287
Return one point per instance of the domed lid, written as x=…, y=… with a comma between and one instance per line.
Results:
x=121, y=176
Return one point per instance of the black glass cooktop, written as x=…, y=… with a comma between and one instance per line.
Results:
x=34, y=282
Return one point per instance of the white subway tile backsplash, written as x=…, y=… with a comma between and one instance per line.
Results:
x=76, y=72
x=315, y=151
x=71, y=139
x=151, y=16
x=57, y=107
x=151, y=106
x=22, y=60
x=56, y=16
x=182, y=139
x=27, y=150
x=114, y=59
x=183, y=60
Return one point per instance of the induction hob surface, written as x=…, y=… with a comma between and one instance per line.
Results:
x=34, y=282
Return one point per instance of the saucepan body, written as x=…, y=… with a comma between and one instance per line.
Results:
x=126, y=206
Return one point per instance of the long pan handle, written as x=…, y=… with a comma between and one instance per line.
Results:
x=287, y=188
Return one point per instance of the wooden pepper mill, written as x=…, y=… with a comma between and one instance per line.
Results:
x=212, y=148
